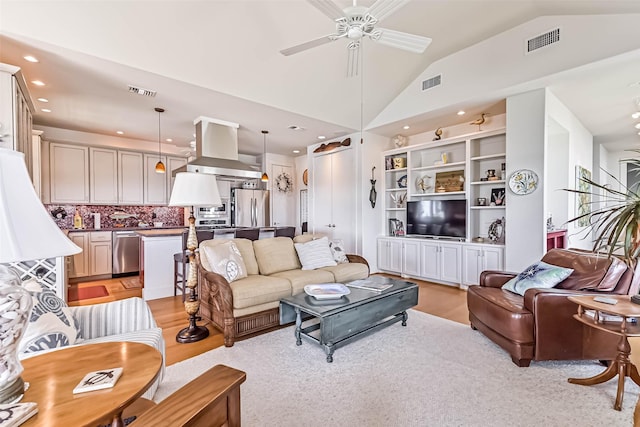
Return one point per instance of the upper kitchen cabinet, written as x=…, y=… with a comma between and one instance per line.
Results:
x=173, y=163
x=103, y=177
x=16, y=120
x=130, y=178
x=155, y=184
x=69, y=171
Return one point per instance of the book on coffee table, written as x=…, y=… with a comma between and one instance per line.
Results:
x=369, y=285
x=98, y=380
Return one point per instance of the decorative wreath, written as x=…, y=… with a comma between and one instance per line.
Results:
x=284, y=182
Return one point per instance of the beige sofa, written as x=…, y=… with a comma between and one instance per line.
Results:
x=251, y=304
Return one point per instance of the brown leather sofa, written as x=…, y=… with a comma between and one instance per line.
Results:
x=540, y=325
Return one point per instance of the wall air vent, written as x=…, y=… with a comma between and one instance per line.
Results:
x=433, y=81
x=543, y=40
x=141, y=91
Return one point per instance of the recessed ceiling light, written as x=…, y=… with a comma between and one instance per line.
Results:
x=321, y=137
x=119, y=132
x=43, y=100
x=461, y=113
x=405, y=127
x=45, y=110
x=37, y=83
x=169, y=140
x=31, y=58
x=635, y=115
x=296, y=151
x=638, y=126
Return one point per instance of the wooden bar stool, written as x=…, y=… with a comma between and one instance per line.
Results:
x=284, y=232
x=247, y=233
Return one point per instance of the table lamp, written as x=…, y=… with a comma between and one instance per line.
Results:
x=27, y=232
x=193, y=189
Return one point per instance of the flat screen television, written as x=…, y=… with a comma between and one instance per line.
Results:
x=437, y=218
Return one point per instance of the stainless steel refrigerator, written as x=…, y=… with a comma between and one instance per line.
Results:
x=249, y=208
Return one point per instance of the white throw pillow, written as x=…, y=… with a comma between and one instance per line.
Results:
x=337, y=250
x=226, y=260
x=51, y=324
x=315, y=254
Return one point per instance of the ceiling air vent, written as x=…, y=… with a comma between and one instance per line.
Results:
x=141, y=91
x=543, y=40
x=433, y=81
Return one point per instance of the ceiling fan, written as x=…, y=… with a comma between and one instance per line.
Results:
x=358, y=22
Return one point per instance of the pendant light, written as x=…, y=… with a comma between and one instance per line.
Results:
x=265, y=177
x=159, y=166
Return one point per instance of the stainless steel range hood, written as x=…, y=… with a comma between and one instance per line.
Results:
x=217, y=151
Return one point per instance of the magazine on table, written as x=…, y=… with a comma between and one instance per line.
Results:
x=369, y=285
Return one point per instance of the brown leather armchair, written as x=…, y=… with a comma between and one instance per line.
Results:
x=540, y=325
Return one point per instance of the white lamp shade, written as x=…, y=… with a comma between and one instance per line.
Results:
x=27, y=230
x=195, y=189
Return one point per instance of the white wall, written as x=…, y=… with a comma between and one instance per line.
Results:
x=525, y=231
x=557, y=175
x=580, y=153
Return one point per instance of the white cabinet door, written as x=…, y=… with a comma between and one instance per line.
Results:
x=411, y=258
x=103, y=178
x=450, y=262
x=69, y=174
x=155, y=184
x=80, y=262
x=130, y=178
x=100, y=258
x=430, y=260
x=472, y=264
x=390, y=255
x=343, y=201
x=172, y=164
x=493, y=258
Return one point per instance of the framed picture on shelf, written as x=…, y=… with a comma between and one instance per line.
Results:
x=497, y=196
x=449, y=181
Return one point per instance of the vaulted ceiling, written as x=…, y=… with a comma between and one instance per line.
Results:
x=221, y=59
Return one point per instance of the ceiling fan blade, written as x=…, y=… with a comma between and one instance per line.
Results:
x=328, y=7
x=383, y=8
x=308, y=45
x=406, y=41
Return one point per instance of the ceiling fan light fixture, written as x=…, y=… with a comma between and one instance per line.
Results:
x=265, y=177
x=160, y=168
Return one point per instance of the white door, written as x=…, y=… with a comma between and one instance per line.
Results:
x=383, y=254
x=321, y=179
x=130, y=178
x=472, y=264
x=450, y=263
x=155, y=184
x=69, y=169
x=343, y=203
x=430, y=260
x=103, y=175
x=411, y=258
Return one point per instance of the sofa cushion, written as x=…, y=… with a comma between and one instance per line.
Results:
x=226, y=260
x=258, y=289
x=537, y=275
x=51, y=323
x=300, y=278
x=315, y=254
x=337, y=250
x=245, y=246
x=275, y=254
x=343, y=273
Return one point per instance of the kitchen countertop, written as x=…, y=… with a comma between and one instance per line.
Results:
x=170, y=227
x=160, y=232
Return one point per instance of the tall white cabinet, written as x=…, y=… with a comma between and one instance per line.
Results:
x=333, y=197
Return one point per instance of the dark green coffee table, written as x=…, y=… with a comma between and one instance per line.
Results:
x=334, y=323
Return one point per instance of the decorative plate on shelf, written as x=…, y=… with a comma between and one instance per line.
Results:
x=523, y=181
x=402, y=182
x=424, y=184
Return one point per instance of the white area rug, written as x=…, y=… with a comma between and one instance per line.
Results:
x=433, y=372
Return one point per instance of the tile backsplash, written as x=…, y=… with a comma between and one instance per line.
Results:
x=63, y=215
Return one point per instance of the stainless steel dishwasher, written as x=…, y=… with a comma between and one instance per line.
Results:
x=126, y=252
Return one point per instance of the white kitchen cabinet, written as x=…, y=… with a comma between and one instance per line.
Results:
x=283, y=200
x=333, y=196
x=477, y=258
x=390, y=255
x=411, y=258
x=103, y=177
x=440, y=261
x=130, y=178
x=80, y=262
x=155, y=184
x=224, y=189
x=172, y=164
x=69, y=170
x=100, y=259
x=16, y=119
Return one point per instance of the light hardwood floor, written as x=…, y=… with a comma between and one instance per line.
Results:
x=440, y=300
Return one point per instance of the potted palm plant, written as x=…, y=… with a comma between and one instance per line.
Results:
x=614, y=225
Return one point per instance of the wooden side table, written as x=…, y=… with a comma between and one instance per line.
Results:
x=52, y=377
x=625, y=328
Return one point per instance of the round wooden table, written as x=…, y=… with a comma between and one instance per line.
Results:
x=52, y=377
